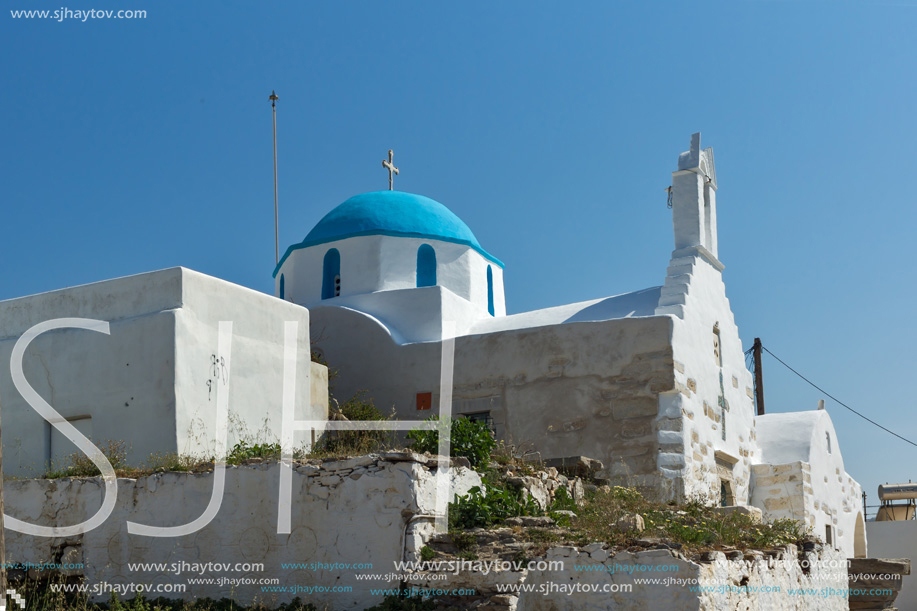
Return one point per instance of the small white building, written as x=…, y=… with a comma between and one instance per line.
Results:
x=152, y=381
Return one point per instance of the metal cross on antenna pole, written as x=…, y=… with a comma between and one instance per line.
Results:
x=273, y=98
x=392, y=170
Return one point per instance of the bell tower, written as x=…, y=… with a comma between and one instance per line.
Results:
x=694, y=201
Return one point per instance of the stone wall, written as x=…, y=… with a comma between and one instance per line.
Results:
x=349, y=511
x=784, y=491
x=595, y=578
x=583, y=388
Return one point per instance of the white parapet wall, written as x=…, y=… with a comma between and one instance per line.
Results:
x=594, y=578
x=358, y=511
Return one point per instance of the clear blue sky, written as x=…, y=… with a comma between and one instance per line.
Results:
x=134, y=145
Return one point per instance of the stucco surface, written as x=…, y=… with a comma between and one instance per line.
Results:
x=805, y=476
x=152, y=382
x=349, y=511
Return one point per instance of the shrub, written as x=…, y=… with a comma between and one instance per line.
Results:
x=242, y=451
x=485, y=508
x=469, y=439
x=353, y=443
x=80, y=465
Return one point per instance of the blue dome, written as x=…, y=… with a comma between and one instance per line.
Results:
x=391, y=213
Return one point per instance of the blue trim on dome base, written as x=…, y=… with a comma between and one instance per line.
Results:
x=390, y=213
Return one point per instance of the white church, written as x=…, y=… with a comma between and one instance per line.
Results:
x=652, y=383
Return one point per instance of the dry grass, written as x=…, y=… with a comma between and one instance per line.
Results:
x=693, y=525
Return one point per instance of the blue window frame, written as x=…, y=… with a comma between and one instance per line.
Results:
x=331, y=274
x=426, y=266
x=490, y=290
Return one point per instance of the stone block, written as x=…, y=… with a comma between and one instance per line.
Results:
x=754, y=513
x=634, y=407
x=575, y=466
x=631, y=523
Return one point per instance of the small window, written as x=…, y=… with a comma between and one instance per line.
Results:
x=828, y=441
x=490, y=291
x=282, y=283
x=717, y=353
x=727, y=499
x=426, y=266
x=331, y=274
x=829, y=535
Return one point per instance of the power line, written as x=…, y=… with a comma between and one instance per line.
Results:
x=836, y=400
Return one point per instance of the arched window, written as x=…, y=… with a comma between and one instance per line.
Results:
x=426, y=266
x=282, y=283
x=331, y=274
x=490, y=290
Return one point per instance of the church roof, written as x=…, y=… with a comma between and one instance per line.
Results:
x=391, y=213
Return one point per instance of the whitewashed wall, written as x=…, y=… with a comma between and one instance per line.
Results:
x=370, y=264
x=695, y=296
x=754, y=583
x=147, y=382
x=804, y=479
x=350, y=511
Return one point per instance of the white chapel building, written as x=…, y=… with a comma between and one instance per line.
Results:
x=653, y=383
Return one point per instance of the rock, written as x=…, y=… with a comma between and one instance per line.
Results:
x=577, y=492
x=534, y=487
x=349, y=463
x=599, y=555
x=461, y=461
x=648, y=541
x=576, y=466
x=537, y=521
x=403, y=457
x=564, y=512
x=71, y=556
x=754, y=513
x=632, y=522
x=329, y=480
x=592, y=547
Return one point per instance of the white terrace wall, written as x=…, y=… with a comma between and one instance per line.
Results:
x=593, y=578
x=151, y=382
x=350, y=511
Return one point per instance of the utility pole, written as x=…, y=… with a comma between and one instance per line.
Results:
x=273, y=98
x=2, y=537
x=759, y=377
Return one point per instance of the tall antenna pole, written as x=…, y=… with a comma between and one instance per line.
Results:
x=273, y=100
x=759, y=377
